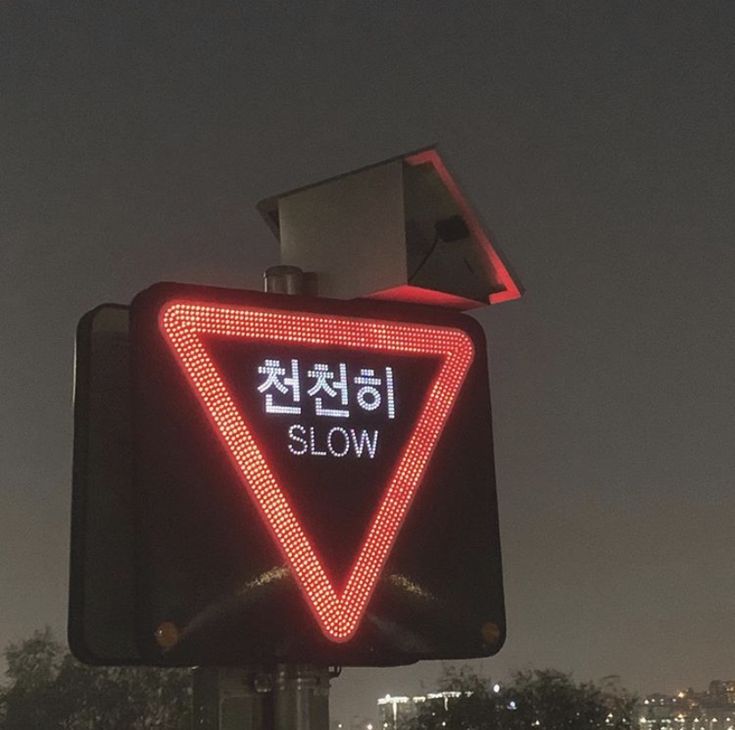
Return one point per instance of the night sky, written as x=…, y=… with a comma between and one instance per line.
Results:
x=596, y=140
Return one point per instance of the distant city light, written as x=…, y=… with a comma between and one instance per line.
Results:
x=716, y=708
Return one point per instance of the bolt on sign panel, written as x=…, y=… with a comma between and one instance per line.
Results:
x=316, y=480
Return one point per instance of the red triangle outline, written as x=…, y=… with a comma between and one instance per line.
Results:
x=183, y=322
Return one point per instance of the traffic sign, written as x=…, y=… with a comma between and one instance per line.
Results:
x=315, y=480
x=101, y=581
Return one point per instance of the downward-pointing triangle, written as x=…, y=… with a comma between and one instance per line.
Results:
x=186, y=324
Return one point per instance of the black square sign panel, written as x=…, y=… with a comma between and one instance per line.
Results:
x=315, y=481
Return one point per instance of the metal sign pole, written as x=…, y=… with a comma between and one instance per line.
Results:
x=301, y=697
x=291, y=697
x=300, y=692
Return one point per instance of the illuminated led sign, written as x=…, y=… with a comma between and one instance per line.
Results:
x=326, y=417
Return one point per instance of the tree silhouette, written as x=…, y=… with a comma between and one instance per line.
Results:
x=48, y=689
x=545, y=699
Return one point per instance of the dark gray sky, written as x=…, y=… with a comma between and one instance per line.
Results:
x=595, y=139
